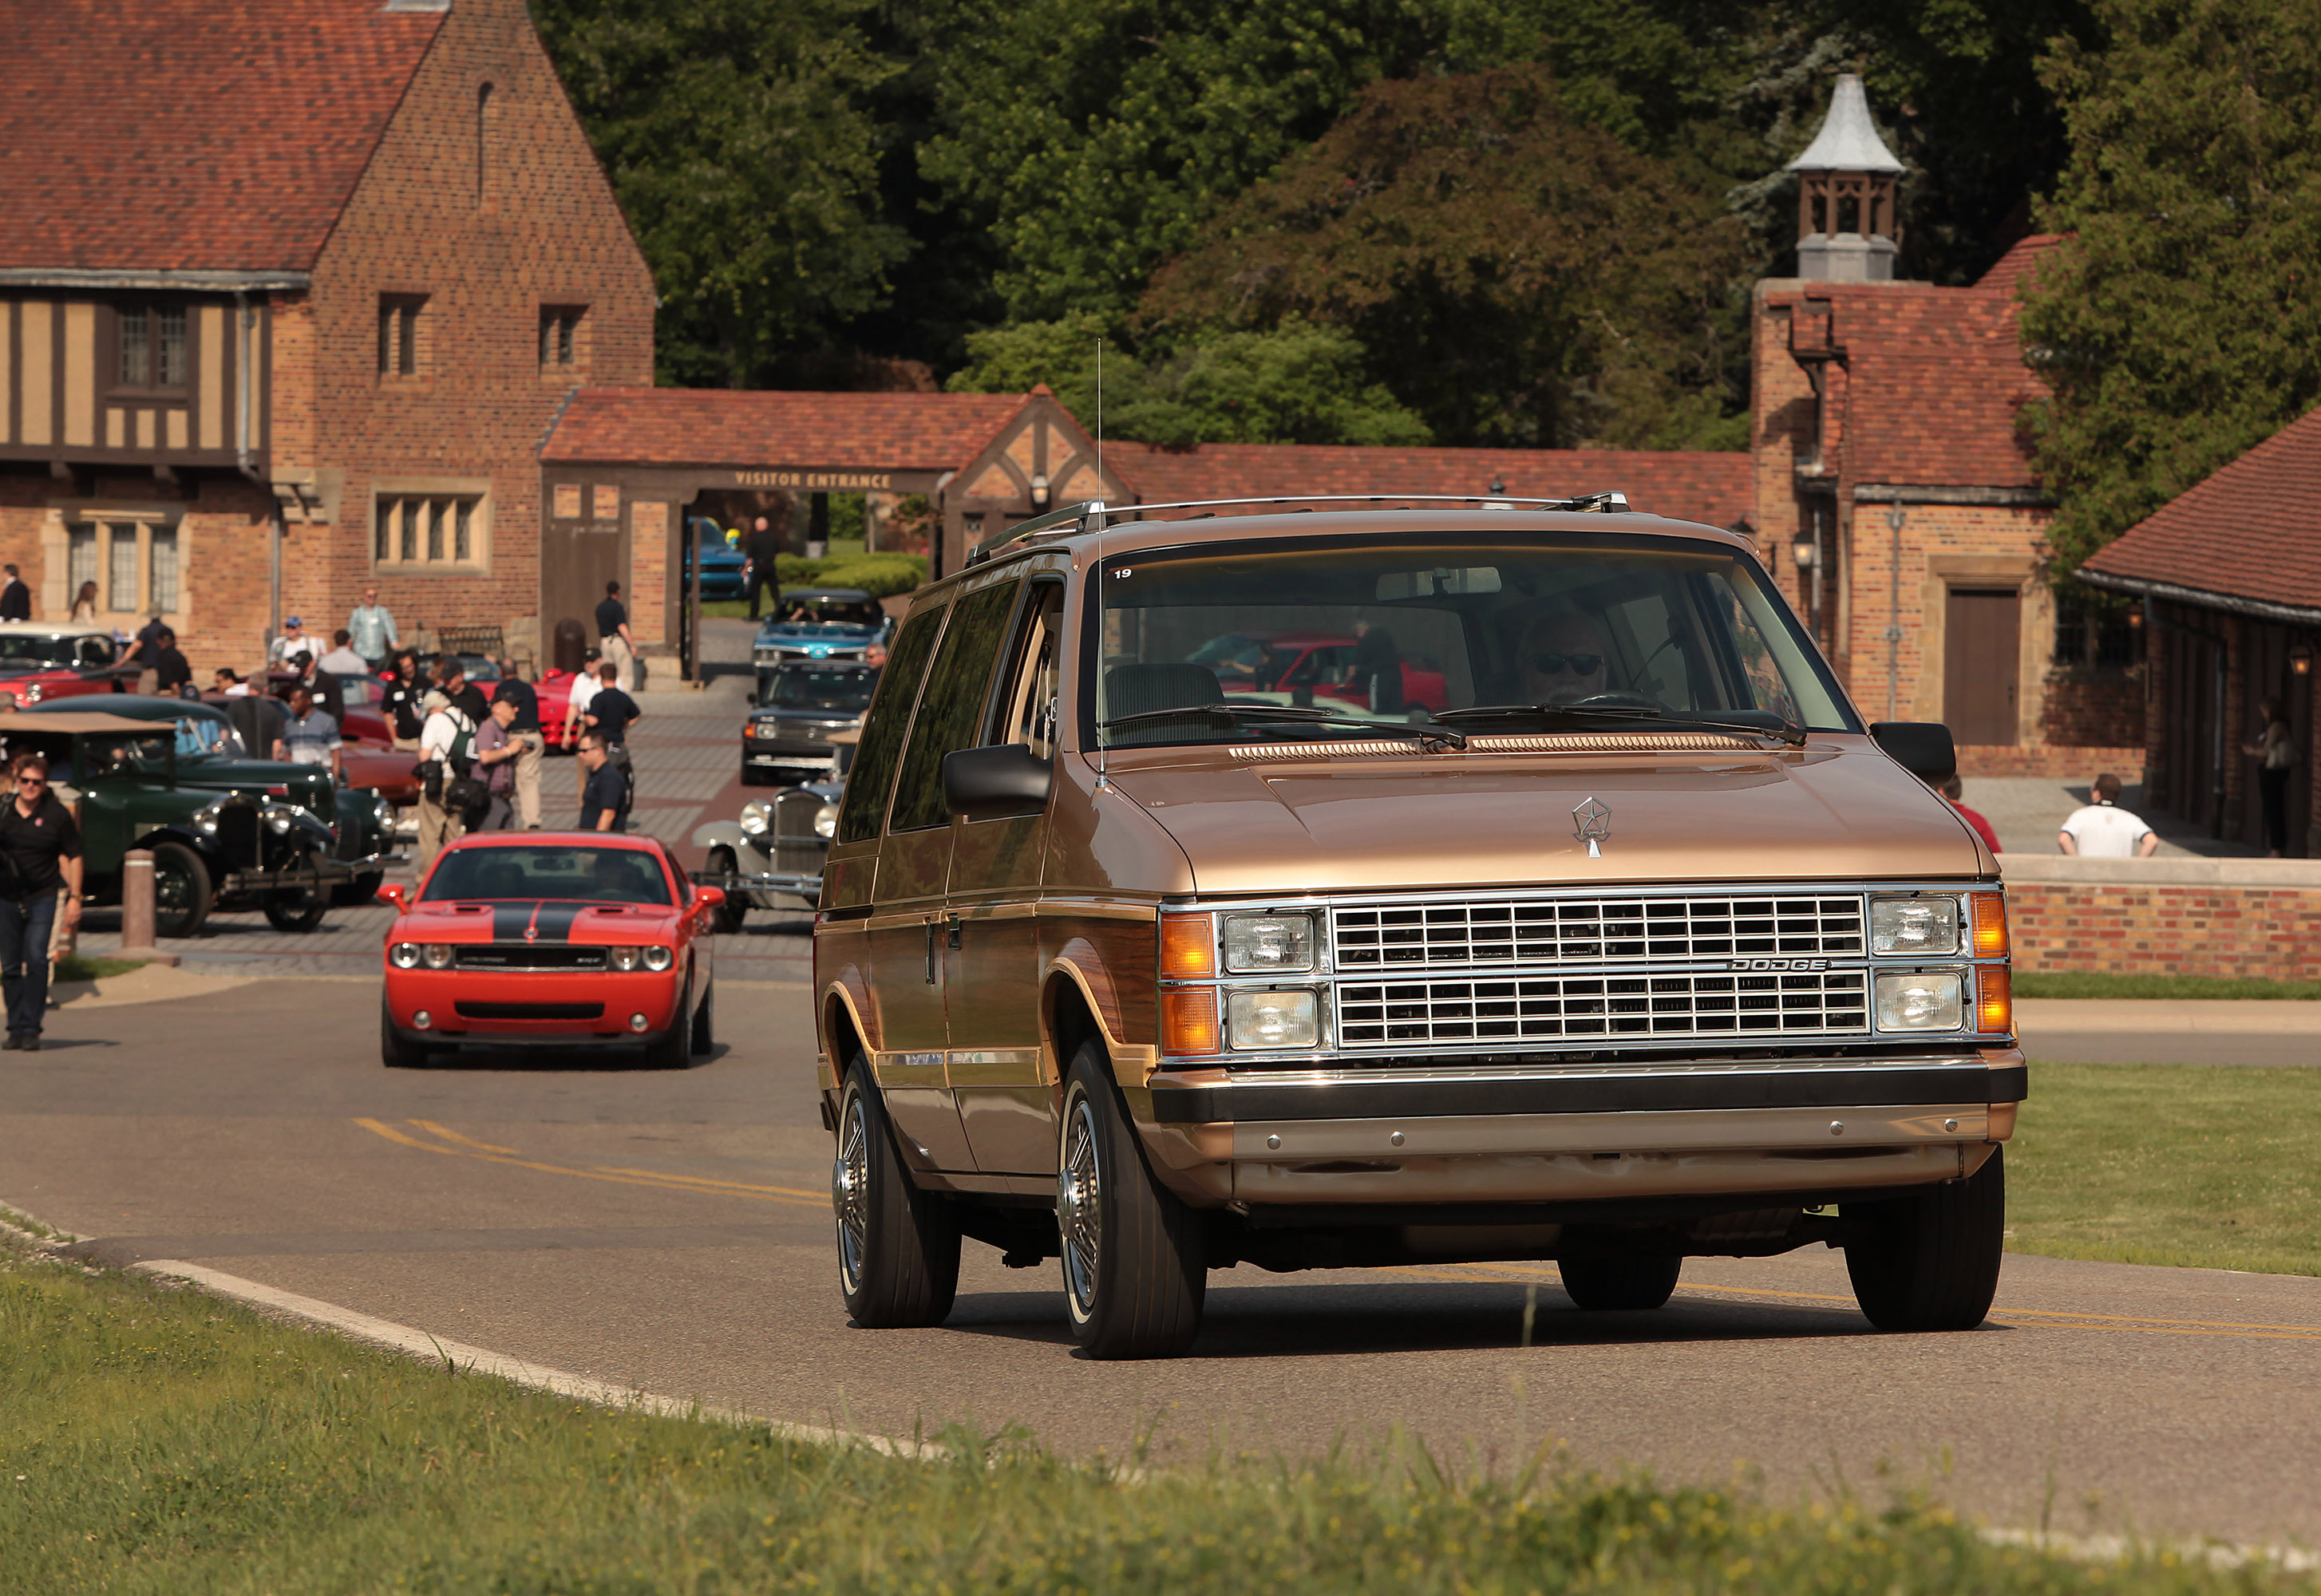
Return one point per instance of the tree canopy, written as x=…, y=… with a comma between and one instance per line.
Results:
x=2179, y=323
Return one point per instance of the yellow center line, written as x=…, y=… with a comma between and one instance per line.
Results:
x=442, y=1134
x=657, y=1182
x=2036, y=1318
x=714, y=1184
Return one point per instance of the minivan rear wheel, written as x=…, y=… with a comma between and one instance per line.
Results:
x=1136, y=1264
x=1930, y=1261
x=897, y=1246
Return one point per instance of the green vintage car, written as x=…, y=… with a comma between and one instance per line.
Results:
x=213, y=850
x=211, y=756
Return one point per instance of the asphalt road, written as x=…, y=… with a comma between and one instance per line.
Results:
x=670, y=1232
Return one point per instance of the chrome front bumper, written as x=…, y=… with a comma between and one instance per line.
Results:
x=1578, y=1134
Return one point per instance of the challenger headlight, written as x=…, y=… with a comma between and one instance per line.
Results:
x=1924, y=926
x=826, y=821
x=403, y=956
x=1260, y=944
x=621, y=958
x=1927, y=999
x=660, y=958
x=439, y=955
x=757, y=817
x=1272, y=1019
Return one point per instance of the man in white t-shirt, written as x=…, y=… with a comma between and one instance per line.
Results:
x=584, y=688
x=2104, y=830
x=447, y=738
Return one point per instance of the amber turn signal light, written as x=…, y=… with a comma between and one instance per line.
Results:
x=1189, y=947
x=1989, y=925
x=1188, y=1019
x=1994, y=1001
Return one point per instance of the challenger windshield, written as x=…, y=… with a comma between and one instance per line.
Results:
x=591, y=874
x=1480, y=632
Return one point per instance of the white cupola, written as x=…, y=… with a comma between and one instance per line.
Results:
x=1847, y=228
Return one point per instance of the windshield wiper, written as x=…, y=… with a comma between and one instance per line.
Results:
x=1749, y=722
x=1232, y=714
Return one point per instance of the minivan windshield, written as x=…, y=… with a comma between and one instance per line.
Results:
x=1483, y=632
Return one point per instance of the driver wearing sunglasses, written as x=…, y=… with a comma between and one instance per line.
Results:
x=1562, y=659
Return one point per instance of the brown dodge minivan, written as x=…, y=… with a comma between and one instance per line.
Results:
x=1147, y=943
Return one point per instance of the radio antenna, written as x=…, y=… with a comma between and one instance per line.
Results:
x=1099, y=415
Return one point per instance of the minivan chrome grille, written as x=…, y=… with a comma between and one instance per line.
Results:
x=1592, y=930
x=1640, y=1006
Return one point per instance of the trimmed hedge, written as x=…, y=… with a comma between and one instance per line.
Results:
x=881, y=576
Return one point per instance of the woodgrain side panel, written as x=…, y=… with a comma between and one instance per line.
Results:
x=1116, y=958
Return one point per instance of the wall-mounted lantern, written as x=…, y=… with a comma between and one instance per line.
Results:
x=1039, y=490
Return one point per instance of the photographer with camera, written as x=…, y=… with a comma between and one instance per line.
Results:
x=447, y=744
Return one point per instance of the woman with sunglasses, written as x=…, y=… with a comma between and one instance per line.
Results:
x=40, y=851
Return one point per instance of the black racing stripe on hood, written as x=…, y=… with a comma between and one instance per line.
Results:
x=555, y=922
x=509, y=920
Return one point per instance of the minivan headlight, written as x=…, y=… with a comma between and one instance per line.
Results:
x=1261, y=944
x=1272, y=1019
x=1925, y=999
x=1923, y=926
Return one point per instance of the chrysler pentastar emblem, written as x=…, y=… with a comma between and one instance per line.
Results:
x=1591, y=822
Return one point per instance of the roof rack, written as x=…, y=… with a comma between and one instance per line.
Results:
x=1094, y=514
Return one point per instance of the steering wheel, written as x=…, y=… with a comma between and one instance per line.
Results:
x=1613, y=700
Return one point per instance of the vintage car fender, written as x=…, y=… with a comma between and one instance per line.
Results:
x=747, y=854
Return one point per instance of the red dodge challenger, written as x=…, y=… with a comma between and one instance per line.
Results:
x=556, y=940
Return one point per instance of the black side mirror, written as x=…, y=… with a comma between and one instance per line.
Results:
x=1005, y=779
x=1922, y=748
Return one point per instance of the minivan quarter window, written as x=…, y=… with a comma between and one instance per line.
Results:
x=889, y=721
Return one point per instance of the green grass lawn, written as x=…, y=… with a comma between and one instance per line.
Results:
x=2031, y=985
x=75, y=966
x=2170, y=1164
x=159, y=1441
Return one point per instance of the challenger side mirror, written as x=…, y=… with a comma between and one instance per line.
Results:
x=1001, y=780
x=708, y=897
x=394, y=893
x=1922, y=748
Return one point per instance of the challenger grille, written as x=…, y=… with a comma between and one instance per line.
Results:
x=1457, y=935
x=1641, y=1006
x=528, y=956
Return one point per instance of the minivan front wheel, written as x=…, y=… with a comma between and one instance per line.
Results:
x=1930, y=1261
x=1135, y=1266
x=897, y=1246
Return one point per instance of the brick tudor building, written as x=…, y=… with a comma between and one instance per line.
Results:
x=289, y=295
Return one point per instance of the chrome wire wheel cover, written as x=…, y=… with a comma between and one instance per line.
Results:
x=850, y=1190
x=1079, y=1195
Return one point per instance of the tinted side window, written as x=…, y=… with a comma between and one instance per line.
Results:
x=873, y=770
x=950, y=717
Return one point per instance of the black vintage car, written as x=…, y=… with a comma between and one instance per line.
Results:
x=801, y=706
x=212, y=754
x=213, y=850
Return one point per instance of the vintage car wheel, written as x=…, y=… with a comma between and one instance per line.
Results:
x=705, y=1023
x=1602, y=1285
x=395, y=1052
x=298, y=909
x=181, y=889
x=1931, y=1259
x=728, y=916
x=362, y=889
x=897, y=1246
x=1135, y=1261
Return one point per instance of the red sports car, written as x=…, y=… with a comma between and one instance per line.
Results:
x=565, y=941
x=1322, y=664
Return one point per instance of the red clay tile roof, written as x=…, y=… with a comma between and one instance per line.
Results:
x=1935, y=383
x=2253, y=530
x=192, y=134
x=1684, y=484
x=746, y=428
x=2014, y=266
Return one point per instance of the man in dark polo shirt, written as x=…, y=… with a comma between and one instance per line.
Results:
x=40, y=851
x=604, y=798
x=525, y=733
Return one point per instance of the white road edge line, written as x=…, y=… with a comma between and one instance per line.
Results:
x=479, y=1360
x=434, y=1349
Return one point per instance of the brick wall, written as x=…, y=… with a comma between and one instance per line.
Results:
x=2050, y=759
x=490, y=209
x=2247, y=932
x=2094, y=706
